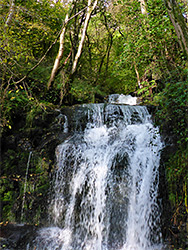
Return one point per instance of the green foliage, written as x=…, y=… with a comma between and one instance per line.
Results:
x=33, y=28
x=177, y=173
x=7, y=195
x=147, y=45
x=177, y=177
x=146, y=91
x=173, y=109
x=37, y=108
x=13, y=183
x=172, y=115
x=13, y=101
x=23, y=42
x=82, y=91
x=16, y=101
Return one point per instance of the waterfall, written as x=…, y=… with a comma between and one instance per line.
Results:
x=106, y=183
x=25, y=185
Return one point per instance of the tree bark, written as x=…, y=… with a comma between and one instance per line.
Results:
x=60, y=53
x=61, y=47
x=81, y=43
x=179, y=24
x=137, y=75
x=11, y=13
x=143, y=7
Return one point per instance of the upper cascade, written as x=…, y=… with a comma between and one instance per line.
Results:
x=123, y=99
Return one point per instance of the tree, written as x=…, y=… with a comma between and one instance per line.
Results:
x=11, y=13
x=60, y=52
x=179, y=24
x=26, y=31
x=148, y=51
x=90, y=7
x=143, y=7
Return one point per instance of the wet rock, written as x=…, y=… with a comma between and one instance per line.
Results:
x=16, y=236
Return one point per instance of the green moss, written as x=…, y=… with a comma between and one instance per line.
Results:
x=15, y=187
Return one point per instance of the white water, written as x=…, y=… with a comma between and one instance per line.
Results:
x=123, y=99
x=25, y=185
x=105, y=189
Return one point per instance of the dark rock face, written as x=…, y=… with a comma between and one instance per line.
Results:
x=16, y=236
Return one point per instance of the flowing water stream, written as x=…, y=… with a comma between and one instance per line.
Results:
x=25, y=185
x=106, y=184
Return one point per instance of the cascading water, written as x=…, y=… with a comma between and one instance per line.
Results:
x=25, y=185
x=105, y=188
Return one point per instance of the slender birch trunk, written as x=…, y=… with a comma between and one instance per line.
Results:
x=143, y=7
x=11, y=13
x=137, y=75
x=60, y=53
x=90, y=8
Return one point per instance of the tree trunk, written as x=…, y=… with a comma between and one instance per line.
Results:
x=81, y=43
x=60, y=53
x=90, y=7
x=179, y=24
x=137, y=75
x=11, y=13
x=143, y=7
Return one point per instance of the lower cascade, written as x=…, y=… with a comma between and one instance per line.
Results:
x=105, y=194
